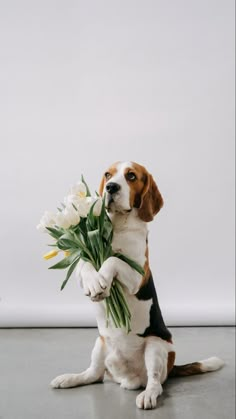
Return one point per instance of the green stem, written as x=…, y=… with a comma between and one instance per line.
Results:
x=122, y=298
x=117, y=307
x=113, y=315
x=127, y=325
x=114, y=308
x=123, y=307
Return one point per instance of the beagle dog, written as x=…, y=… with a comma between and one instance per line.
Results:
x=145, y=357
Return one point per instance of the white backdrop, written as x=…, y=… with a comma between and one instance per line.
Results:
x=87, y=83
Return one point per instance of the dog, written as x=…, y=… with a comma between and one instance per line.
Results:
x=145, y=357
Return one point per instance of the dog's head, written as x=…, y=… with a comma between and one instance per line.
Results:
x=128, y=185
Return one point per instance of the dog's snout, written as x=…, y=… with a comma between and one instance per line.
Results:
x=112, y=187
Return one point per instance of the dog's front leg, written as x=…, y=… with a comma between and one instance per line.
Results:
x=91, y=281
x=93, y=374
x=116, y=268
x=156, y=365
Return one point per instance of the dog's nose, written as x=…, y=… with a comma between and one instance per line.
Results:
x=112, y=187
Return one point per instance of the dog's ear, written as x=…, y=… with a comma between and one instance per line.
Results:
x=151, y=200
x=101, y=187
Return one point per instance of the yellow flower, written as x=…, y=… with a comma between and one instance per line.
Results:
x=51, y=254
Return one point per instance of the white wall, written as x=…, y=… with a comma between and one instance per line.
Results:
x=86, y=83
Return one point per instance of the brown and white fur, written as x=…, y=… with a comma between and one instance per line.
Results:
x=144, y=357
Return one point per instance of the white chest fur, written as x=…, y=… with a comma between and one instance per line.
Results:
x=130, y=236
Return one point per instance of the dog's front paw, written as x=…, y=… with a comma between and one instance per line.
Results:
x=65, y=381
x=107, y=273
x=148, y=398
x=95, y=287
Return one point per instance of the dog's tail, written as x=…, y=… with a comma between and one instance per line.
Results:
x=206, y=365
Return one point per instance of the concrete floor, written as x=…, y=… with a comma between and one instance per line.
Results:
x=30, y=358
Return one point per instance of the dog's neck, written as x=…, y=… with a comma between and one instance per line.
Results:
x=127, y=221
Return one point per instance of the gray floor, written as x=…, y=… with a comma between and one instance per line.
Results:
x=30, y=358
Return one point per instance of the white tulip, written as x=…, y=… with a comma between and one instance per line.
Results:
x=47, y=220
x=68, y=217
x=97, y=207
x=76, y=205
x=61, y=220
x=71, y=215
x=82, y=204
x=79, y=189
x=71, y=200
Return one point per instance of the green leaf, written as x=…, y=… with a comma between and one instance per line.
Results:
x=92, y=221
x=86, y=253
x=55, y=232
x=107, y=251
x=68, y=240
x=88, y=193
x=96, y=247
x=67, y=261
x=94, y=240
x=69, y=273
x=81, y=231
x=65, y=244
x=83, y=247
x=107, y=231
x=130, y=262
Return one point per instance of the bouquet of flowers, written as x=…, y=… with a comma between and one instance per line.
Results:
x=81, y=229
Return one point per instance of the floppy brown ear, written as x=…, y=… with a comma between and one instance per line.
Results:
x=151, y=200
x=101, y=187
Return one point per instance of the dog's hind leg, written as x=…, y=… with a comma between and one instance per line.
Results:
x=93, y=374
x=155, y=357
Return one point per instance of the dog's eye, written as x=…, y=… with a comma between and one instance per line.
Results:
x=131, y=176
x=107, y=175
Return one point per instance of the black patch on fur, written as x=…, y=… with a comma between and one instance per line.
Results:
x=157, y=326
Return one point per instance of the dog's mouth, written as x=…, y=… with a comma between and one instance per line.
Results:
x=113, y=206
